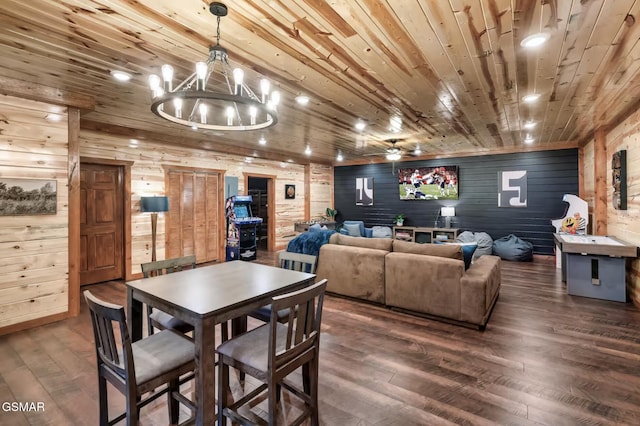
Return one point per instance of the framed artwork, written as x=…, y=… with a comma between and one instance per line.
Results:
x=289, y=192
x=27, y=197
x=364, y=191
x=512, y=189
x=619, y=179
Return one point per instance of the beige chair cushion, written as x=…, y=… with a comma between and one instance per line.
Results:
x=442, y=250
x=160, y=353
x=252, y=348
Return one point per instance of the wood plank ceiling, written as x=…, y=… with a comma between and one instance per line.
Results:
x=454, y=71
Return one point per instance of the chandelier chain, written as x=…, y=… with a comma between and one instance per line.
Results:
x=218, y=33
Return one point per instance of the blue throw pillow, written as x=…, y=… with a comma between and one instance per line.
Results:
x=353, y=229
x=315, y=227
x=467, y=251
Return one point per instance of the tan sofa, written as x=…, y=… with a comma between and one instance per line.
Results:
x=426, y=279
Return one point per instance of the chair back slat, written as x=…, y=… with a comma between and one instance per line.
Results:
x=106, y=317
x=168, y=266
x=303, y=325
x=297, y=262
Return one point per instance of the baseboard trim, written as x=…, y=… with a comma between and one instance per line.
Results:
x=33, y=323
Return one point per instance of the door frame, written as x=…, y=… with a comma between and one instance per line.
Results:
x=126, y=207
x=271, y=208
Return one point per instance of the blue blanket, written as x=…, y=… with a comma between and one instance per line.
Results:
x=310, y=242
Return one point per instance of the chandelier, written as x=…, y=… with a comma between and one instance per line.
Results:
x=214, y=97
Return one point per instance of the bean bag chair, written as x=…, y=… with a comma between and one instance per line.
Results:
x=513, y=248
x=484, y=241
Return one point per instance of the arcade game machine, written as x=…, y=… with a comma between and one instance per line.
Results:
x=241, y=228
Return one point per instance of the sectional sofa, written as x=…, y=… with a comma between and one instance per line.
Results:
x=424, y=279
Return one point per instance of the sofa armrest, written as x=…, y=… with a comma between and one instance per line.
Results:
x=479, y=289
x=423, y=283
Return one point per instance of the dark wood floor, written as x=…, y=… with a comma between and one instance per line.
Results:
x=545, y=358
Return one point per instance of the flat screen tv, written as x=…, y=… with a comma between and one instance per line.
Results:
x=428, y=183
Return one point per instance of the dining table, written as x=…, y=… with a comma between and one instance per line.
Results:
x=204, y=297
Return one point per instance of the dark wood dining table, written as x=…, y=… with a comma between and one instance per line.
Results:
x=204, y=297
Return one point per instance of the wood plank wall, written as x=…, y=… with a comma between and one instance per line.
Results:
x=623, y=224
x=550, y=175
x=148, y=179
x=33, y=249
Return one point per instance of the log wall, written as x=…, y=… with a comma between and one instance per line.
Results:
x=147, y=178
x=625, y=224
x=34, y=261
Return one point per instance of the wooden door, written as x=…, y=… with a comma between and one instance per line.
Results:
x=101, y=223
x=192, y=222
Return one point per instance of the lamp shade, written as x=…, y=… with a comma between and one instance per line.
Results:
x=154, y=204
x=448, y=211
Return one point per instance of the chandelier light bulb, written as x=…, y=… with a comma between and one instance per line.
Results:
x=229, y=112
x=275, y=98
x=253, y=112
x=167, y=76
x=203, y=112
x=339, y=157
x=308, y=150
x=154, y=84
x=264, y=88
x=201, y=73
x=177, y=104
x=238, y=76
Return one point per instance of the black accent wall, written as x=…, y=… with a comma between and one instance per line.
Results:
x=550, y=175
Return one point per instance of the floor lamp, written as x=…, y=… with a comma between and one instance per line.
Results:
x=154, y=205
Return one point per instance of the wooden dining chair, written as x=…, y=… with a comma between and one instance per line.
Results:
x=140, y=367
x=271, y=352
x=157, y=318
x=295, y=262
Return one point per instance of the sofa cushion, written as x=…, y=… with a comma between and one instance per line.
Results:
x=441, y=250
x=353, y=229
x=353, y=271
x=372, y=243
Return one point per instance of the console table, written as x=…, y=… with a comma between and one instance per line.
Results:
x=304, y=226
x=594, y=265
x=424, y=235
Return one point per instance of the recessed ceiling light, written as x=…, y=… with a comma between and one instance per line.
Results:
x=529, y=125
x=133, y=141
x=535, y=40
x=302, y=100
x=417, y=151
x=339, y=157
x=530, y=98
x=120, y=75
x=528, y=139
x=308, y=150
x=360, y=125
x=262, y=141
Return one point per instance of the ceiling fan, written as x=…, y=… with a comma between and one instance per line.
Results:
x=392, y=153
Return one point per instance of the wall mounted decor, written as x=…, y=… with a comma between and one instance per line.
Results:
x=512, y=188
x=364, y=191
x=290, y=192
x=619, y=179
x=27, y=197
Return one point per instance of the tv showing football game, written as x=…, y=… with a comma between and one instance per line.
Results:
x=428, y=183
